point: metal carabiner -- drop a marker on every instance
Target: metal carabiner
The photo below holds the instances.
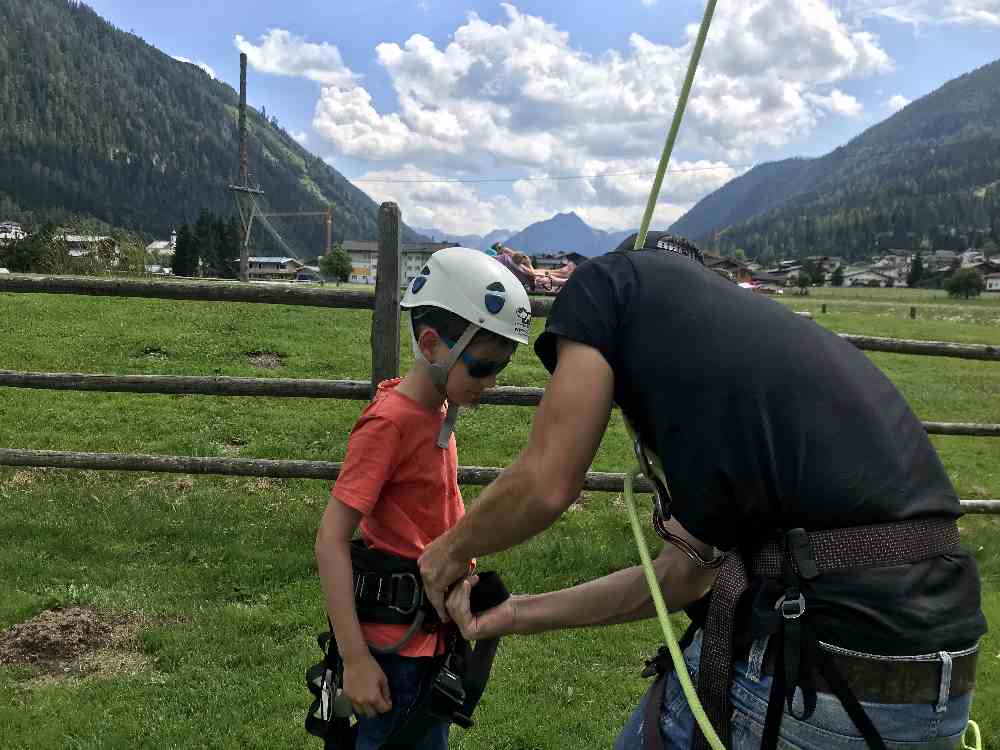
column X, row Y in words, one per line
column 662, row 502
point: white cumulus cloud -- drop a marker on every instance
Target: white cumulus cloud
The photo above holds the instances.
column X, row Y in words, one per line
column 897, row 102
column 928, row 12
column 519, row 95
column 282, row 53
column 204, row 66
column 453, row 207
column 837, row 102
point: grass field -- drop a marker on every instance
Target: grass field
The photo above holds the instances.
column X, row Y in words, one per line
column 218, row 575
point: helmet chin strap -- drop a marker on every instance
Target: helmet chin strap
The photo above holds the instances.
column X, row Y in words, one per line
column 439, row 376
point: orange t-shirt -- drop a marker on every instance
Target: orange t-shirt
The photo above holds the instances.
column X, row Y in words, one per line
column 405, row 487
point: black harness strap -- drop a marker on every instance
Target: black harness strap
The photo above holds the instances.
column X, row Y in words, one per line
column 850, row 702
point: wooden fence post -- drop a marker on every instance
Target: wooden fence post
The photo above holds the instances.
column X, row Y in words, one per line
column 385, row 320
column 913, row 313
column 824, row 308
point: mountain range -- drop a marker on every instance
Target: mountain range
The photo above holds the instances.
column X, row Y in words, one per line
column 475, row 241
column 927, row 173
column 98, row 124
column 562, row 233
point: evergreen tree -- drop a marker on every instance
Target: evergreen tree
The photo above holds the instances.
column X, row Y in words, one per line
column 916, row 271
column 185, row 261
column 837, row 277
column 232, row 250
column 205, row 240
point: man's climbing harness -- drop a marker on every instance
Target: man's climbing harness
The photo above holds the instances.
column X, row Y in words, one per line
column 388, row 590
column 791, row 561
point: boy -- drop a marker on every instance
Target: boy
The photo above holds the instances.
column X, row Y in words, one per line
column 399, row 480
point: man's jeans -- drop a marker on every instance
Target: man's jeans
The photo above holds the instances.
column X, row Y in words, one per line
column 410, row 682
column 903, row 727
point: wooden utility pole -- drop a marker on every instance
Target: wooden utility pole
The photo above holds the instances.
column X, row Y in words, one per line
column 243, row 121
column 243, row 193
column 329, row 229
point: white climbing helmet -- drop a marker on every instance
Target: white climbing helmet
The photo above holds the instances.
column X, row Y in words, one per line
column 475, row 287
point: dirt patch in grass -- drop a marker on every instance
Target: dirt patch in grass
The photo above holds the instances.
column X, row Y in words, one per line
column 266, row 360
column 76, row 642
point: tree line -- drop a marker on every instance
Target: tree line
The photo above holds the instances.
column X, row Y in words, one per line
column 209, row 248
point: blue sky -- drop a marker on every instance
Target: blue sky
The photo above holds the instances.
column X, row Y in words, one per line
column 398, row 93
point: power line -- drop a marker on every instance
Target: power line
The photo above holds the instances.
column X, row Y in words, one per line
column 546, row 179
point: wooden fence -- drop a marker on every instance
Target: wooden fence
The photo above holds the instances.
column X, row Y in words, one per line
column 385, row 341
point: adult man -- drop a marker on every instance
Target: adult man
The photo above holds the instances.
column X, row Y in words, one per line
column 769, row 429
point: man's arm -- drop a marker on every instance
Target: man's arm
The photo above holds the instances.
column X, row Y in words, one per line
column 543, row 481
column 620, row 597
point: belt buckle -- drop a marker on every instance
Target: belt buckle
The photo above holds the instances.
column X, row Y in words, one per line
column 417, row 594
column 791, row 609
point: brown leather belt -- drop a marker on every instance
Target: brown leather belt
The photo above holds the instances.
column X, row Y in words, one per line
column 895, row 682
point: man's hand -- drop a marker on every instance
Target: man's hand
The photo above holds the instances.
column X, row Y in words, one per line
column 492, row 623
column 440, row 570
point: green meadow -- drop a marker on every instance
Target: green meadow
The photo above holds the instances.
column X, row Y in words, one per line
column 218, row 572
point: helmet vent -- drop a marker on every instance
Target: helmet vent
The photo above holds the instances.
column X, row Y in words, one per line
column 496, row 297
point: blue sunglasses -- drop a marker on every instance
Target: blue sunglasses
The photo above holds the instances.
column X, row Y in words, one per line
column 478, row 368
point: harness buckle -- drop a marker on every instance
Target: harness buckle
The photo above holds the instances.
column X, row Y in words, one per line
column 791, row 609
column 416, row 598
column 800, row 548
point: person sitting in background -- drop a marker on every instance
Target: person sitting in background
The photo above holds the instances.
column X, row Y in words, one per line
column 540, row 280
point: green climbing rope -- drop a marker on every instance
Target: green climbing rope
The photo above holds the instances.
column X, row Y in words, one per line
column 680, row 668
column 675, row 125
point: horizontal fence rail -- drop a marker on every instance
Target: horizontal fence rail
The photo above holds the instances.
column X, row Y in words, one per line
column 358, row 390
column 194, row 291
column 298, row 469
column 276, row 294
column 930, row 348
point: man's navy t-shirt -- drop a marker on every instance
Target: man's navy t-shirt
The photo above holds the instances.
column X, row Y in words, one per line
column 764, row 421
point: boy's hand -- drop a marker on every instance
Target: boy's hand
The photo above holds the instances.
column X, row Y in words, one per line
column 440, row 570
column 366, row 687
column 491, row 623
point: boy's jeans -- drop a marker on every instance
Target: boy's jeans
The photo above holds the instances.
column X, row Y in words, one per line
column 409, row 682
column 909, row 727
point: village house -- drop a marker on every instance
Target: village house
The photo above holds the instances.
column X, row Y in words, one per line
column 869, row 278
column 11, row 232
column 993, row 283
column 81, row 248
column 364, row 259
column 729, row 267
column 971, row 258
column 939, row 259
column 162, row 251
column 268, row 268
